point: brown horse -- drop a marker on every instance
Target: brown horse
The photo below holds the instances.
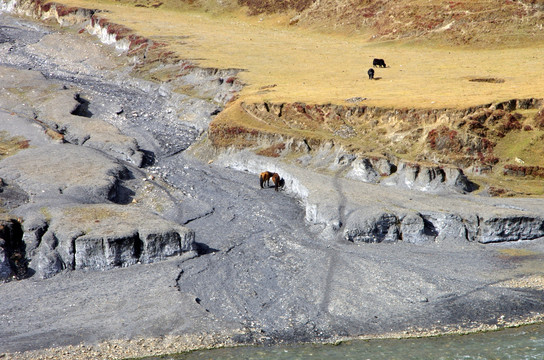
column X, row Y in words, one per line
column 266, row 176
column 278, row 181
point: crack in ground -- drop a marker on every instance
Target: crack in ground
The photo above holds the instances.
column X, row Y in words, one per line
column 205, row 215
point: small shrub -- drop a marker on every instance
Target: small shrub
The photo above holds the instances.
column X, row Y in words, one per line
column 487, row 145
column 539, row 119
column 443, row 138
column 65, row 10
column 510, row 123
column 495, row 191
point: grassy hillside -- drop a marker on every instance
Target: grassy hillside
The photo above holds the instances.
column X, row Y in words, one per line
column 482, row 22
column 294, row 63
column 456, row 55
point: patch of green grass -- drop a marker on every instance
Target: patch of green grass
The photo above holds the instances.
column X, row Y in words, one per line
column 525, row 146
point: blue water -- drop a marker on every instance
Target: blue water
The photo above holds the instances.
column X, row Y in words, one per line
column 521, row 343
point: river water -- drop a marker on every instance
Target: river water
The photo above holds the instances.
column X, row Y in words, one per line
column 525, row 342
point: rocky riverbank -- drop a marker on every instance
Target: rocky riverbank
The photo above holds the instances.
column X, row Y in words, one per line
column 194, row 253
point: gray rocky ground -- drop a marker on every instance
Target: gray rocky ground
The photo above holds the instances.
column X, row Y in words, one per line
column 129, row 236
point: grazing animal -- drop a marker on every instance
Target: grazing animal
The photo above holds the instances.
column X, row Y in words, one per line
column 378, row 63
column 265, row 178
column 278, row 181
column 371, row 73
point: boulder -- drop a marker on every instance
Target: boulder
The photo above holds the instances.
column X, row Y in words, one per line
column 415, row 229
column 372, row 227
column 104, row 236
column 511, row 228
column 363, row 170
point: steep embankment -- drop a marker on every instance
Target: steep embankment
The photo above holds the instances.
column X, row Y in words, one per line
column 490, row 143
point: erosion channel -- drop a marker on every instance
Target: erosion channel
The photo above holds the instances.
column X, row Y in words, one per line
column 128, row 237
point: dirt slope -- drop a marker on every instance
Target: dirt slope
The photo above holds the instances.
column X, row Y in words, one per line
column 481, row 23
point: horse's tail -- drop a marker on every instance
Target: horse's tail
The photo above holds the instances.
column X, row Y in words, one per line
column 261, row 180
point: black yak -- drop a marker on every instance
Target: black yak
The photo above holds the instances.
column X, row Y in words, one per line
column 378, row 63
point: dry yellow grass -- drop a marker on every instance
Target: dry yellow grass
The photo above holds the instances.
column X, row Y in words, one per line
column 320, row 65
column 316, row 67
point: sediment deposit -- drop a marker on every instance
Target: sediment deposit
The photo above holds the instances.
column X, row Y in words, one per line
column 139, row 238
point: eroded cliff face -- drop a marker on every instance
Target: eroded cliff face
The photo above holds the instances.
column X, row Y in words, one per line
column 458, row 137
column 426, row 151
column 417, row 205
column 416, row 147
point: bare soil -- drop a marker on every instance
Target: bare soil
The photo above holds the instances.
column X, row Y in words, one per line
column 264, row 274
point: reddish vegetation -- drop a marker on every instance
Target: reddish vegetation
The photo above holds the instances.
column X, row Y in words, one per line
column 539, row 119
column 510, row 122
column 237, row 130
column 444, row 138
column 495, row 191
column 63, row 10
column 487, row 160
column 23, row 144
column 518, row 170
column 43, row 6
column 137, row 44
column 222, row 134
column 462, row 21
column 272, row 151
column 118, row 30
column 271, row 6
column 136, row 40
